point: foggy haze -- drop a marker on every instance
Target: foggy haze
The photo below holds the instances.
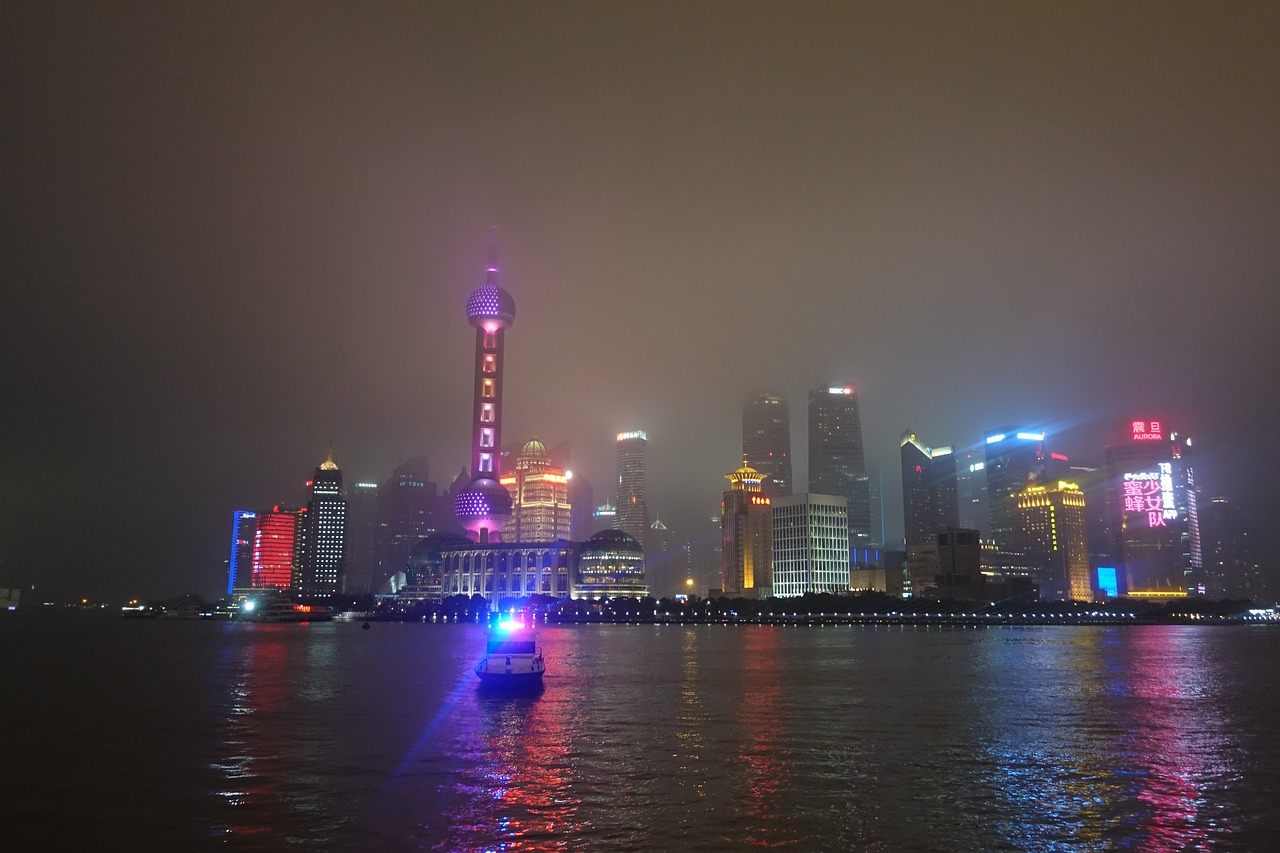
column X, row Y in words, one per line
column 234, row 232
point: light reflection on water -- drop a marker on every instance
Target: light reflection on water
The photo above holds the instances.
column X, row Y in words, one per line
column 656, row 738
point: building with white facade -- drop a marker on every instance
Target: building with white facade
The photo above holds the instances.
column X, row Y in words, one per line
column 810, row 544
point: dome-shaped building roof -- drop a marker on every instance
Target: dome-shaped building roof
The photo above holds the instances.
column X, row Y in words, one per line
column 612, row 541
column 533, row 455
column 611, row 563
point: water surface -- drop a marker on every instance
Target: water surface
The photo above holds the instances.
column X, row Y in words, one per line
column 197, row 735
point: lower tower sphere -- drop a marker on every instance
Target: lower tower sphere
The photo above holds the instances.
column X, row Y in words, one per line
column 484, row 508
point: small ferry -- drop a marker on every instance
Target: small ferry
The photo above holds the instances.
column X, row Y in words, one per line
column 283, row 610
column 512, row 658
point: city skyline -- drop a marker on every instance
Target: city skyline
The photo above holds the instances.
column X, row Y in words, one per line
column 687, row 227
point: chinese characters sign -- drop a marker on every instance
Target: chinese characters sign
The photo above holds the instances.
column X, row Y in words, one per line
column 1149, row 495
column 1147, row 431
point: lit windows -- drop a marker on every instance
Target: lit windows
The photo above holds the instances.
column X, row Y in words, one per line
column 490, row 339
column 488, row 388
column 486, row 413
column 486, row 463
column 486, row 437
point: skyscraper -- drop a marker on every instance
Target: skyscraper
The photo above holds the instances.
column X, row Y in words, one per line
column 240, row 566
column 810, row 544
column 633, row 489
column 1012, row 458
column 1050, row 529
column 484, row 506
column 837, row 457
column 1231, row 570
column 1153, row 509
column 362, row 539
column 410, row 508
column 322, row 560
column 539, row 496
column 581, row 496
column 928, row 489
column 274, row 541
column 746, row 535
column 766, row 442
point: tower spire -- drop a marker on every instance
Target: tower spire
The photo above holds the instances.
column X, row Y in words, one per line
column 328, row 464
column 491, row 271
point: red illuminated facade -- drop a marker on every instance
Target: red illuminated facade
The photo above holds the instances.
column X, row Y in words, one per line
column 274, row 546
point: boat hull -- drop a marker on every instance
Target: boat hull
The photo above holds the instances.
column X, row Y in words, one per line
column 514, row 681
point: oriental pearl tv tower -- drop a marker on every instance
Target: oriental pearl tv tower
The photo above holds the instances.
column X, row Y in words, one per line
column 484, row 506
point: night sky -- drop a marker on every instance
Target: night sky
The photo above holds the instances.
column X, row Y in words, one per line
column 233, row 232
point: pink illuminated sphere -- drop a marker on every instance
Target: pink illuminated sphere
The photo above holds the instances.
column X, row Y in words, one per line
column 484, row 504
column 490, row 307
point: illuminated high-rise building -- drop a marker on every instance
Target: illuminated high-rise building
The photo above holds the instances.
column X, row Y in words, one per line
column 746, row 536
column 240, row 566
column 322, row 559
column 1050, row 529
column 928, row 489
column 274, row 543
column 633, row 503
column 1012, row 458
column 810, row 544
column 1153, row 512
column 837, row 456
column 539, row 496
column 484, row 506
column 766, row 442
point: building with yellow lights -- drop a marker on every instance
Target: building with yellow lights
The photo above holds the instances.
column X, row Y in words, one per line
column 540, row 508
column 746, row 536
column 1051, row 531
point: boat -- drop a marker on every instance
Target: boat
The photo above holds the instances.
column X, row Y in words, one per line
column 283, row 610
column 512, row 659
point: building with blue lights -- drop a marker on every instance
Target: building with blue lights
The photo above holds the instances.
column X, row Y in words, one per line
column 240, row 566
column 1012, row 458
column 928, row 489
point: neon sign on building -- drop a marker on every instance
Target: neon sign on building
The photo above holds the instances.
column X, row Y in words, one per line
column 1149, row 495
column 1147, row 431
